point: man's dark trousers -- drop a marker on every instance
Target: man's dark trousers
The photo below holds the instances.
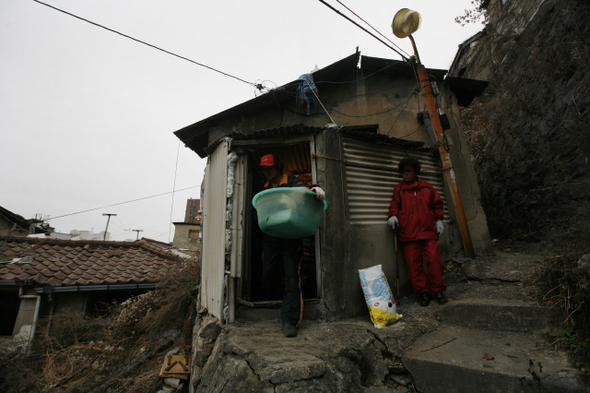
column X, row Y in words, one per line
column 283, row 255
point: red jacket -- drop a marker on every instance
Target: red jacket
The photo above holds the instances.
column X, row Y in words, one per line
column 417, row 208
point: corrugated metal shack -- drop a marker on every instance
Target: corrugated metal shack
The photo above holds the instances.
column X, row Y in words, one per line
column 366, row 118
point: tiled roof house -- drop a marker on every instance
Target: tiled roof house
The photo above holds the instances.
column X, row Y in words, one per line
column 12, row 224
column 41, row 276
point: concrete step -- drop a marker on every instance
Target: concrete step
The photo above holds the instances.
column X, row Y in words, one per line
column 313, row 310
column 495, row 314
column 452, row 359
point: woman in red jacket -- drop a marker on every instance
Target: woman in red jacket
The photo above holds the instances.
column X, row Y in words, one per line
column 417, row 209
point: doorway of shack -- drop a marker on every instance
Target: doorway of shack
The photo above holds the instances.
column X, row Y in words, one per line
column 296, row 160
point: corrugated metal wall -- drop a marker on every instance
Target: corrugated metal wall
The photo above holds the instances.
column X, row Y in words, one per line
column 213, row 253
column 371, row 175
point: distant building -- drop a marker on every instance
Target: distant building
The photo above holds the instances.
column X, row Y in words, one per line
column 187, row 233
column 75, row 234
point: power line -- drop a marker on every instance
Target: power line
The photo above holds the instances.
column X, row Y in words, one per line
column 365, row 30
column 173, row 187
column 148, row 44
column 120, row 203
column 374, row 29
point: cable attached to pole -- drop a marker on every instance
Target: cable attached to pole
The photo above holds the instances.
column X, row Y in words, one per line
column 258, row 86
column 117, row 204
column 365, row 30
column 374, row 29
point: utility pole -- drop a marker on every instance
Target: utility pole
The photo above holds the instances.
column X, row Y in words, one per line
column 404, row 24
column 107, row 228
column 137, row 230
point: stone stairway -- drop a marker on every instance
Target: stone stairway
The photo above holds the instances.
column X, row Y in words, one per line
column 490, row 339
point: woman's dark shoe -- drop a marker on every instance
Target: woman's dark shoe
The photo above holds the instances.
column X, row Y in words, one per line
column 424, row 299
column 440, row 298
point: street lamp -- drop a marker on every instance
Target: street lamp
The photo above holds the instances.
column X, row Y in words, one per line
column 406, row 22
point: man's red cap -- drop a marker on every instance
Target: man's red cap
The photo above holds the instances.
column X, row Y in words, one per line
column 267, row 160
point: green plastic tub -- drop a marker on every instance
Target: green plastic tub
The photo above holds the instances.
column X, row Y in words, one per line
column 289, row 213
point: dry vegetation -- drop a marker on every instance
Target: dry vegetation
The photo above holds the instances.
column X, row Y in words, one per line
column 528, row 136
column 121, row 352
column 564, row 286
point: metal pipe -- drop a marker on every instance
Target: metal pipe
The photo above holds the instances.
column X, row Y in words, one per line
column 231, row 301
column 447, row 168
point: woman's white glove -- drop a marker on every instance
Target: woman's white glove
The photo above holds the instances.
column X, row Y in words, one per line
column 440, row 228
column 319, row 193
column 393, row 222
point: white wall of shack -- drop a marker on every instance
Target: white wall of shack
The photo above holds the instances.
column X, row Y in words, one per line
column 214, row 218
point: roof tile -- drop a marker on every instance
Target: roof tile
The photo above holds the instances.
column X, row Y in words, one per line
column 65, row 262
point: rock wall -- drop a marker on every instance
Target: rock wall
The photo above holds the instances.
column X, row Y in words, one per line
column 325, row 357
column 528, row 134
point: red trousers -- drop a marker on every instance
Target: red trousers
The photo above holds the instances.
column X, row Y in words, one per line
column 420, row 282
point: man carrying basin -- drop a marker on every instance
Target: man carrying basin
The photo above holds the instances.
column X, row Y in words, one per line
column 281, row 253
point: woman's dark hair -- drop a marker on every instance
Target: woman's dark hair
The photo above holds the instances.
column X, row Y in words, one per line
column 411, row 162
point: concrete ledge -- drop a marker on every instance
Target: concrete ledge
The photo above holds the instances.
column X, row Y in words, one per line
column 451, row 359
column 495, row 314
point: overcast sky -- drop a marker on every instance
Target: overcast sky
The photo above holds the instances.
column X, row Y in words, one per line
column 87, row 116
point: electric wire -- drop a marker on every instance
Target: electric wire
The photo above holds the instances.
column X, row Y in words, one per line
column 374, row 29
column 358, row 79
column 407, row 102
column 173, row 187
column 411, row 133
column 362, row 28
column 148, row 44
column 122, row 223
column 118, row 204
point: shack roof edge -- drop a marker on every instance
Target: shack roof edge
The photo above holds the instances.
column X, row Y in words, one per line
column 195, row 135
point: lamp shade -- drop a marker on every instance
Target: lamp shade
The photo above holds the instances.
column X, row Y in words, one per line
column 406, row 22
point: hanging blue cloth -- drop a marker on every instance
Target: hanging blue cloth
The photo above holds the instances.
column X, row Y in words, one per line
column 305, row 92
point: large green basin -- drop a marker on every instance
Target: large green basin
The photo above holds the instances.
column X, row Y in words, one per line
column 289, row 213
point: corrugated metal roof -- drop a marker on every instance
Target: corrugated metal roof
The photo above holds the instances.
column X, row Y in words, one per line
column 383, row 139
column 275, row 133
column 279, row 134
column 196, row 136
column 371, row 65
column 295, row 158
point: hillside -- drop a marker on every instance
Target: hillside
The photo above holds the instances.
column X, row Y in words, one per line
column 530, row 143
column 529, row 134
